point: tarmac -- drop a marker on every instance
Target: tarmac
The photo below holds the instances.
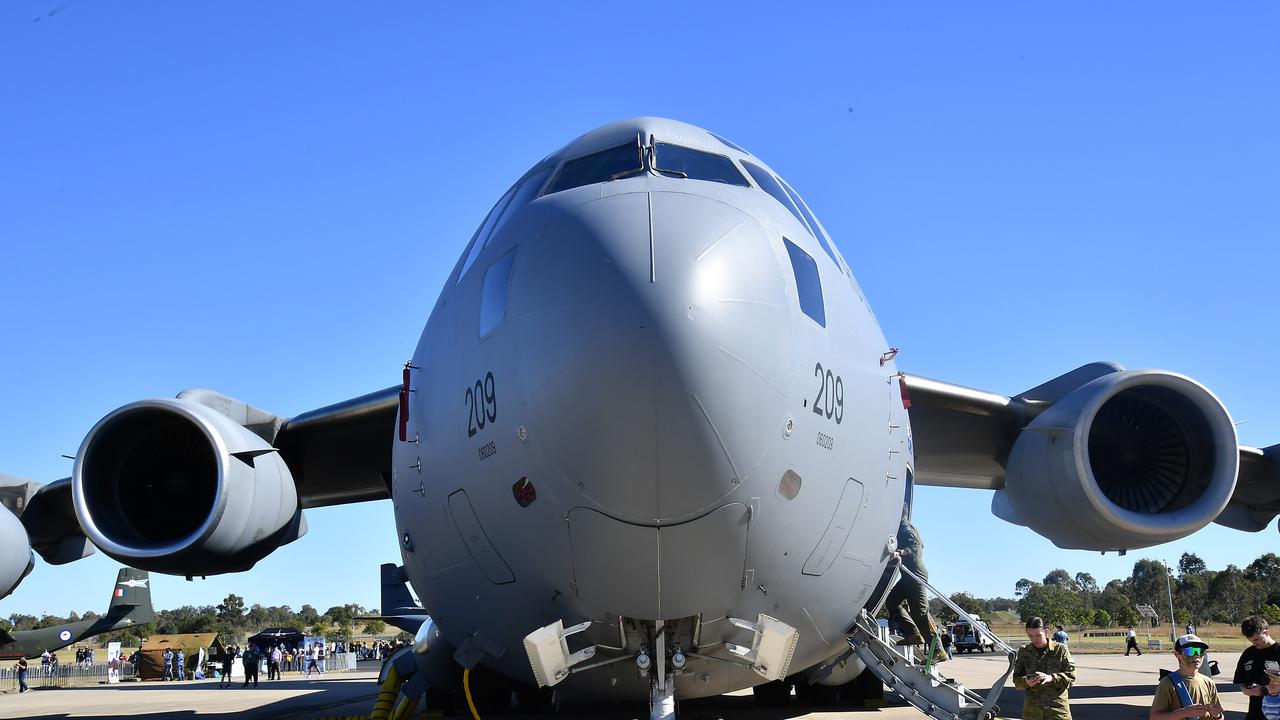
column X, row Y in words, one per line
column 1108, row 687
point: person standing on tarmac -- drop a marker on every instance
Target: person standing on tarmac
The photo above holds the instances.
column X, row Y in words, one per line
column 1044, row 669
column 913, row 620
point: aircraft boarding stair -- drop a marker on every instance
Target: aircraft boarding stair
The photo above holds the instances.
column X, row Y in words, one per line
column 921, row 685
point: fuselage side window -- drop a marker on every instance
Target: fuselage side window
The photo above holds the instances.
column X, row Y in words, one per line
column 693, row 164
column 808, row 284
column 813, row 223
column 771, row 186
column 493, row 295
column 598, row 167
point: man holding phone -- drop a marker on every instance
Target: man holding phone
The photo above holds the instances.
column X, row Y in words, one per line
column 1044, row 669
column 1258, row 672
column 1186, row 693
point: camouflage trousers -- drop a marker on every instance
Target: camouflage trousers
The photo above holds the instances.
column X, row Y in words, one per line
column 915, row 615
column 1056, row 711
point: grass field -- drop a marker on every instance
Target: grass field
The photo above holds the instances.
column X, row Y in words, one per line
column 1220, row 636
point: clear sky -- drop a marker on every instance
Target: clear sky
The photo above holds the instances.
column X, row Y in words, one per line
column 265, row 198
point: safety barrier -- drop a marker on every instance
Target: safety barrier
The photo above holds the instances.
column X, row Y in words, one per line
column 63, row 676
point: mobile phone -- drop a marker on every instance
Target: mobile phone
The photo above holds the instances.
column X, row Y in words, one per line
column 1272, row 667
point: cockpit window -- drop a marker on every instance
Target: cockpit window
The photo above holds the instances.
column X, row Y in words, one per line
column 813, row 223
column 518, row 195
column 686, row 162
column 608, row 164
column 771, row 186
column 808, row 284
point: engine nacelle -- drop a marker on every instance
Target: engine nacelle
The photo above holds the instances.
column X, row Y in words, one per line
column 16, row 559
column 1129, row 460
column 176, row 487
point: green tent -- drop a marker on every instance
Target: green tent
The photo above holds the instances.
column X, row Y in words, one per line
column 151, row 654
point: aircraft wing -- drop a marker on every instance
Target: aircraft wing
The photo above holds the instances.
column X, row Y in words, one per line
column 1160, row 455
column 342, row 453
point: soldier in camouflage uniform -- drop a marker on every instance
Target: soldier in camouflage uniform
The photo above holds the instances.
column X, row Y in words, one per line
column 908, row 604
column 1045, row 670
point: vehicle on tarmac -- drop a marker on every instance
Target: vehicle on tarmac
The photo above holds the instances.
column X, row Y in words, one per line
column 966, row 638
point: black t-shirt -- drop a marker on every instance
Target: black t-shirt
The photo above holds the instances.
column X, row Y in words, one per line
column 1250, row 671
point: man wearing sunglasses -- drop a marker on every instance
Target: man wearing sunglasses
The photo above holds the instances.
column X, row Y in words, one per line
column 1253, row 672
column 1186, row 693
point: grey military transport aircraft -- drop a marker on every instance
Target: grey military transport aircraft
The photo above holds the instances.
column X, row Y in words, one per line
column 652, row 444
column 130, row 606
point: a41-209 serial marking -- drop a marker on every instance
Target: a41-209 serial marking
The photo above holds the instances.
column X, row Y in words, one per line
column 829, row 402
column 482, row 404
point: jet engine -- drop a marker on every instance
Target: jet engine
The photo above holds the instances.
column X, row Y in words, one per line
column 174, row 486
column 1128, row 460
column 16, row 559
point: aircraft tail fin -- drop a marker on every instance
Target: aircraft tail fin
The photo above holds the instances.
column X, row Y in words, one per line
column 396, row 599
column 131, row 597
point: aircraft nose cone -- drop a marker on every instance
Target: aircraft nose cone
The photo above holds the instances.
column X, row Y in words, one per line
column 656, row 338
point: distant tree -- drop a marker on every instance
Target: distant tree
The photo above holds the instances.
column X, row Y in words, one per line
column 256, row 618
column 1190, row 564
column 74, row 617
column 50, row 621
column 1086, row 583
column 1271, row 613
column 1193, row 593
column 374, row 627
column 1149, row 582
column 999, row 603
column 1181, row 616
column 967, row 602
column 1052, row 603
column 1112, row 601
column 321, row 628
column 341, row 614
column 308, row 615
column 1232, row 596
column 1101, row 618
column 5, row 624
column 1264, row 570
column 231, row 611
column 1127, row 616
column 1021, row 587
column 21, row 621
column 1061, row 578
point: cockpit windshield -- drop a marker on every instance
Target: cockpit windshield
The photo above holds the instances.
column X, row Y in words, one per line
column 608, row 164
column 663, row 158
column 686, row 162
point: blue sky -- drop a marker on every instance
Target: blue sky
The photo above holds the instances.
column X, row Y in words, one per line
column 264, row 199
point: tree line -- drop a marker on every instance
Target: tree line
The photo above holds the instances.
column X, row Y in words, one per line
column 229, row 618
column 1200, row 595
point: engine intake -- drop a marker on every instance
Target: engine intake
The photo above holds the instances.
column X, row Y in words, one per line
column 1129, row 460
column 174, row 486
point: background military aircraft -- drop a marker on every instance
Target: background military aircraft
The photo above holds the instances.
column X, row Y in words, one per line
column 652, row 410
column 130, row 605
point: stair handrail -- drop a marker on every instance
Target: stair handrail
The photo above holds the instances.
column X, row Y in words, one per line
column 982, row 629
